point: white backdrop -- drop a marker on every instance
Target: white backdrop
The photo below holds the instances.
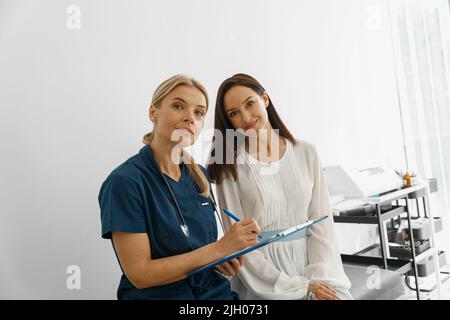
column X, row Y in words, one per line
column 74, row 106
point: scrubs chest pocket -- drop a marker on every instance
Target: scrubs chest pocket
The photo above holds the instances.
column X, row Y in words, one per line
column 208, row 217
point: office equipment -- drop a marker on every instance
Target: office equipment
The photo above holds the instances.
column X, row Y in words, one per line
column 357, row 207
column 362, row 183
column 292, row 233
column 336, row 198
column 364, row 210
column 401, row 256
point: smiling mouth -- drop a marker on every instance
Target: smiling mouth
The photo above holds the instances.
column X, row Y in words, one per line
column 252, row 125
column 187, row 130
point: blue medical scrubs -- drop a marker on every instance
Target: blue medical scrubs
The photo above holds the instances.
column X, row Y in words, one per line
column 135, row 199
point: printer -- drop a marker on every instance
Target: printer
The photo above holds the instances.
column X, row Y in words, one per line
column 362, row 183
column 350, row 189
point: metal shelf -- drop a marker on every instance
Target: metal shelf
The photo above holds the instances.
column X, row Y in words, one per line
column 398, row 265
column 371, row 255
column 396, row 211
column 374, row 251
column 395, row 195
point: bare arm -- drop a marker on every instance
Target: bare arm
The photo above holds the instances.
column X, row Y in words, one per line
column 133, row 250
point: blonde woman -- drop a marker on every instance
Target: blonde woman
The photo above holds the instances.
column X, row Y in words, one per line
column 280, row 183
column 157, row 209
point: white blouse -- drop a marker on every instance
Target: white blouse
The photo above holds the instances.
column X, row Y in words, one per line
column 279, row 195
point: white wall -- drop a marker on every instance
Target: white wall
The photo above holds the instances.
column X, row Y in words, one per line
column 74, row 106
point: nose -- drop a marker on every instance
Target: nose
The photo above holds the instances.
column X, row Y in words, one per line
column 189, row 117
column 247, row 116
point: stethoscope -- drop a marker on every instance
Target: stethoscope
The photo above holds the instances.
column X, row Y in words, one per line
column 183, row 224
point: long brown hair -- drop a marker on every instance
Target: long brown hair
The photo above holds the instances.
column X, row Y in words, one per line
column 160, row 93
column 220, row 168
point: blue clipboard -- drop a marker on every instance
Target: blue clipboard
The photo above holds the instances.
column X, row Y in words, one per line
column 295, row 232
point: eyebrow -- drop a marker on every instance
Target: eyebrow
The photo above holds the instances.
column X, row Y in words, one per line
column 247, row 99
column 232, row 108
column 178, row 98
column 182, row 100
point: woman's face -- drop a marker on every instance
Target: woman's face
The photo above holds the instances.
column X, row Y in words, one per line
column 180, row 115
column 246, row 110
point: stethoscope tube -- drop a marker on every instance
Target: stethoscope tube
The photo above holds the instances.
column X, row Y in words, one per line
column 183, row 225
column 215, row 210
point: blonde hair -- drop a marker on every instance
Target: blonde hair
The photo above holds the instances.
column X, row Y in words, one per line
column 160, row 93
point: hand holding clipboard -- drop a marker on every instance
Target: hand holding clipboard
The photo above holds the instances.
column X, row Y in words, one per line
column 296, row 232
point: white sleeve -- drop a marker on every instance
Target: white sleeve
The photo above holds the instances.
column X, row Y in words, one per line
column 259, row 276
column 324, row 260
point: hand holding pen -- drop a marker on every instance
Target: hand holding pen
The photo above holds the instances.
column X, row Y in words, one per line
column 241, row 235
column 232, row 216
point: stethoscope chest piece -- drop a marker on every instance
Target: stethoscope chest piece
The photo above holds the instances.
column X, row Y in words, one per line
column 183, row 224
column 185, row 229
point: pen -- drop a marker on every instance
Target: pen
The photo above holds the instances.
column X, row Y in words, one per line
column 235, row 218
